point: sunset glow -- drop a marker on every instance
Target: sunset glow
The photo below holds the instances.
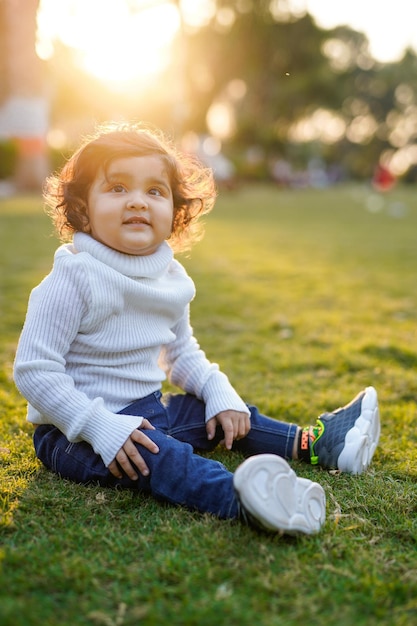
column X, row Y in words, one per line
column 115, row 41
column 118, row 41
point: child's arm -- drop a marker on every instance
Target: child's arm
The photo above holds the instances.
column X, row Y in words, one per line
column 187, row 367
column 55, row 313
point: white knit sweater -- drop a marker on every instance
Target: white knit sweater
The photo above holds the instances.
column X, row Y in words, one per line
column 104, row 329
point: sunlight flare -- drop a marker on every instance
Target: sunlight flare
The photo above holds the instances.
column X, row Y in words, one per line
column 115, row 41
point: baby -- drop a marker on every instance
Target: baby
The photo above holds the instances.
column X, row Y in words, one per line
column 111, row 322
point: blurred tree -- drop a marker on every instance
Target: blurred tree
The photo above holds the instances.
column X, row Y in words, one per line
column 283, row 78
column 259, row 78
column 302, row 85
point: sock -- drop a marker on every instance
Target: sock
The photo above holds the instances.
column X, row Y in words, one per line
column 306, row 437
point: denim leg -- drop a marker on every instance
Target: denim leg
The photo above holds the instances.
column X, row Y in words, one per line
column 187, row 415
column 267, row 435
column 180, row 476
column 75, row 461
column 177, row 475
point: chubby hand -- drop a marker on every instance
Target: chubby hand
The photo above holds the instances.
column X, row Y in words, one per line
column 128, row 458
column 235, row 425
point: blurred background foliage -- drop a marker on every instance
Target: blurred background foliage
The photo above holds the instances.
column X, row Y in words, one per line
column 259, row 91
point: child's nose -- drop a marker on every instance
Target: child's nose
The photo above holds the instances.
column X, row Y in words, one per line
column 137, row 200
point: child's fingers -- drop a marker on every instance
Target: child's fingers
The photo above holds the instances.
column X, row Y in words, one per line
column 129, row 458
column 139, row 437
column 243, row 427
column 229, row 433
column 115, row 470
column 124, row 457
column 211, row 428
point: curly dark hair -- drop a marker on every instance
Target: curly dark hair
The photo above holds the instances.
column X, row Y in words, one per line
column 192, row 184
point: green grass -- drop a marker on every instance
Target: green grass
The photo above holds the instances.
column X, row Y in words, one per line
column 304, row 297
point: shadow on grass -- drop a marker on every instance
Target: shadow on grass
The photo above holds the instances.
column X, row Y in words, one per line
column 392, row 354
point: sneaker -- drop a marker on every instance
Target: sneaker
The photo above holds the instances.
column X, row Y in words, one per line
column 273, row 498
column 346, row 439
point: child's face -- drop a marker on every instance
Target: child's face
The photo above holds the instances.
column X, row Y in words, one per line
column 131, row 208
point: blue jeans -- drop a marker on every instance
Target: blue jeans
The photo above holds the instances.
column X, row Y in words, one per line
column 177, row 474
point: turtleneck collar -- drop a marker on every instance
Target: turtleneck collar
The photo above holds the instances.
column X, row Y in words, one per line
column 147, row 266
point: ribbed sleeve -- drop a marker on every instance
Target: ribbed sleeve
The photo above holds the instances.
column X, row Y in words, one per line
column 189, row 369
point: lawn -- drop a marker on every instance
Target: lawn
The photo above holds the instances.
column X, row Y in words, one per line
column 303, row 297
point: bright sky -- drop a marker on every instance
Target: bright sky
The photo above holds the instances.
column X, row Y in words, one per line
column 390, row 25
column 117, row 45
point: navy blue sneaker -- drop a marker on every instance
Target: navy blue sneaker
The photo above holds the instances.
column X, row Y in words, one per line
column 346, row 439
column 273, row 498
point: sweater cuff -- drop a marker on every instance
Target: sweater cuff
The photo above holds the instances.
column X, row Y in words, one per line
column 109, row 432
column 219, row 395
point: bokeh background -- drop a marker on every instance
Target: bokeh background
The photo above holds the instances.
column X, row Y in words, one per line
column 301, row 92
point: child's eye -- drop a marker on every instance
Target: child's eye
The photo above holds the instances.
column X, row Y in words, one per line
column 118, row 188
column 155, row 191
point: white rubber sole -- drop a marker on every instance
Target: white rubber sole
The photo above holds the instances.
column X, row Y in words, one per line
column 362, row 439
column 279, row 500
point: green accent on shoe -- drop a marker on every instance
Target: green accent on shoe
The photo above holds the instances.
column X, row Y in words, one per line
column 315, row 433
